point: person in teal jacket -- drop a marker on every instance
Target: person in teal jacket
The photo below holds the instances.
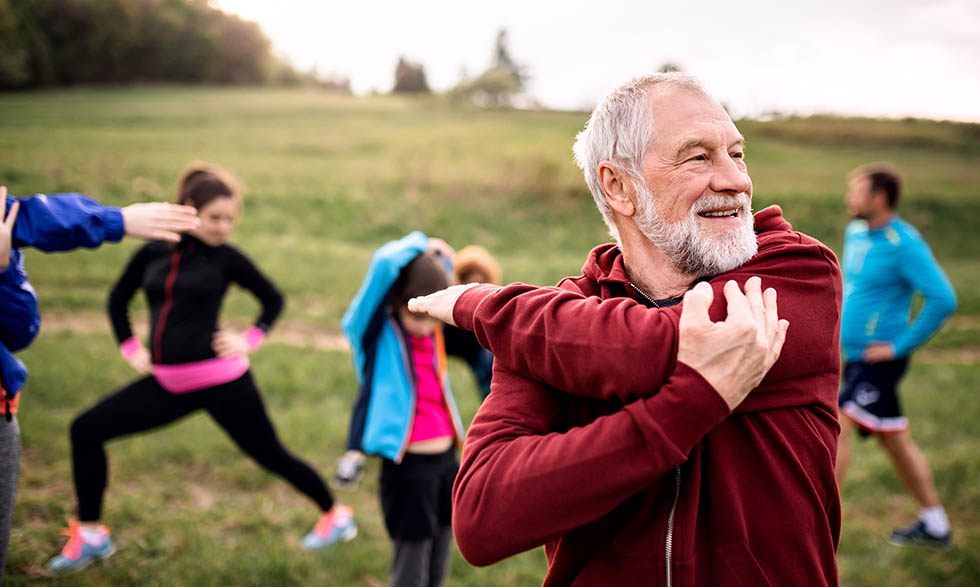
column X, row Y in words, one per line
column 405, row 412
column 886, row 265
column 382, row 413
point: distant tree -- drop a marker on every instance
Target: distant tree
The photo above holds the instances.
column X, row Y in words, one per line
column 498, row 85
column 503, row 61
column 409, row 78
column 669, row 67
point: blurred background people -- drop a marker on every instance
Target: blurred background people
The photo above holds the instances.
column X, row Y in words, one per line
column 58, row 222
column 886, row 264
column 405, row 411
column 189, row 364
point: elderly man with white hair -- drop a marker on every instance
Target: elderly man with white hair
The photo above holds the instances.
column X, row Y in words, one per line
column 648, row 422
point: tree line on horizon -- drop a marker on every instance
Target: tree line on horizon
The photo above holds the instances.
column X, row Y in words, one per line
column 54, row 43
column 49, row 43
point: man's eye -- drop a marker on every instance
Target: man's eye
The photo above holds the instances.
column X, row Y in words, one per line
column 701, row 157
column 738, row 155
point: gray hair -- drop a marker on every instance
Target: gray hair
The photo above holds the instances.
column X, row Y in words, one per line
column 620, row 130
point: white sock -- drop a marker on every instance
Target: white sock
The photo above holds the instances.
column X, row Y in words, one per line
column 935, row 520
column 93, row 537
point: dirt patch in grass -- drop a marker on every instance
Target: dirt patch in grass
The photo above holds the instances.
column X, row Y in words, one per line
column 292, row 333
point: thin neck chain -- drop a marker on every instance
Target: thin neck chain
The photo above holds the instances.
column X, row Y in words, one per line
column 645, row 296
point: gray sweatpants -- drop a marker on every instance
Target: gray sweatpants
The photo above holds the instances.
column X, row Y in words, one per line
column 421, row 563
column 9, row 468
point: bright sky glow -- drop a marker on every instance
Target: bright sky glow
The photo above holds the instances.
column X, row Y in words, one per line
column 874, row 57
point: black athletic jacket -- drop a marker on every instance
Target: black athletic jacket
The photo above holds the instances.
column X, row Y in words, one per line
column 184, row 286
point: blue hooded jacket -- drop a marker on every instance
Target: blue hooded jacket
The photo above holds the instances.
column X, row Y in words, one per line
column 385, row 406
column 59, row 222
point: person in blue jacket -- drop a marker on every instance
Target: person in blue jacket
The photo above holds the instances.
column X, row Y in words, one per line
column 60, row 222
column 405, row 411
column 886, row 264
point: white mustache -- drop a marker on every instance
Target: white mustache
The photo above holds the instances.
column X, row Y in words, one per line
column 742, row 201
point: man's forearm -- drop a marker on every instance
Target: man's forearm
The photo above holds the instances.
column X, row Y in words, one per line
column 521, row 485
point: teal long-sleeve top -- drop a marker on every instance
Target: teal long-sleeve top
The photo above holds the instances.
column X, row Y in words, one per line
column 884, row 267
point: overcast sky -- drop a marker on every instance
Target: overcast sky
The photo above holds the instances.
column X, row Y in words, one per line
column 868, row 57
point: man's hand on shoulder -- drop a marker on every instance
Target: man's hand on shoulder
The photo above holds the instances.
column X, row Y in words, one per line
column 735, row 354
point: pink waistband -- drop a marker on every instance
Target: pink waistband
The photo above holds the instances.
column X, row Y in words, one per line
column 187, row 377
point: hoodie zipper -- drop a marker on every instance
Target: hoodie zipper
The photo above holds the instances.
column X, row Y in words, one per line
column 645, row 296
column 669, row 541
column 168, row 300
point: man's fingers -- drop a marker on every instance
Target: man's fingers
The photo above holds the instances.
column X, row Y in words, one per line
column 777, row 345
column 419, row 305
column 696, row 303
column 738, row 306
column 11, row 214
column 753, row 296
column 771, row 311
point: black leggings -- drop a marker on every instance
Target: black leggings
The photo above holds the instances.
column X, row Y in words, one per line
column 143, row 405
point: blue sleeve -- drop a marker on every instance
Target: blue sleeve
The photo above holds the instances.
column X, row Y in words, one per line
column 19, row 316
column 921, row 270
column 385, row 266
column 62, row 222
column 19, row 321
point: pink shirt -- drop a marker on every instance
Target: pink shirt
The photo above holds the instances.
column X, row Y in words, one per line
column 431, row 416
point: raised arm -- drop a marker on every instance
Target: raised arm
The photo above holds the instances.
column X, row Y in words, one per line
column 618, row 348
column 63, row 222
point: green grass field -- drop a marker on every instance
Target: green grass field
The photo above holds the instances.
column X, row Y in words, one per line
column 330, row 178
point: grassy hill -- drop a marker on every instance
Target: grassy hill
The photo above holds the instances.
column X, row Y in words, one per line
column 328, row 179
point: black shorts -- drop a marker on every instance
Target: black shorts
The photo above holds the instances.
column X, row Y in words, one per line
column 417, row 495
column 869, row 396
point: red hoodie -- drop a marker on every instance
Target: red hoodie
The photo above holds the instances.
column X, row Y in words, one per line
column 626, row 464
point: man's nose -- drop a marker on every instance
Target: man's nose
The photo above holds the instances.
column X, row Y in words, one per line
column 730, row 177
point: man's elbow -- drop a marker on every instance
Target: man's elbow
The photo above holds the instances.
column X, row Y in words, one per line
column 475, row 542
column 476, row 529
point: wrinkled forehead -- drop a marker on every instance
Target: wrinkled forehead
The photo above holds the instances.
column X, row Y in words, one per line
column 680, row 116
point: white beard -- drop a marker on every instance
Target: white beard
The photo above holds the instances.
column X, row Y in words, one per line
column 687, row 246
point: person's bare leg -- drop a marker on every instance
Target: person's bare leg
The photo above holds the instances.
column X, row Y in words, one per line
column 844, row 453
column 911, row 466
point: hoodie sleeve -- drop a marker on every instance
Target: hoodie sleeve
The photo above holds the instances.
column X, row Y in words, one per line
column 62, row 222
column 618, row 348
column 522, row 484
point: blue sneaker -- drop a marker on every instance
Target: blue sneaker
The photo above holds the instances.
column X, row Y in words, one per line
column 918, row 534
column 78, row 554
column 333, row 526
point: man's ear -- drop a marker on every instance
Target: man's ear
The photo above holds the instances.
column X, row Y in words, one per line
column 618, row 188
